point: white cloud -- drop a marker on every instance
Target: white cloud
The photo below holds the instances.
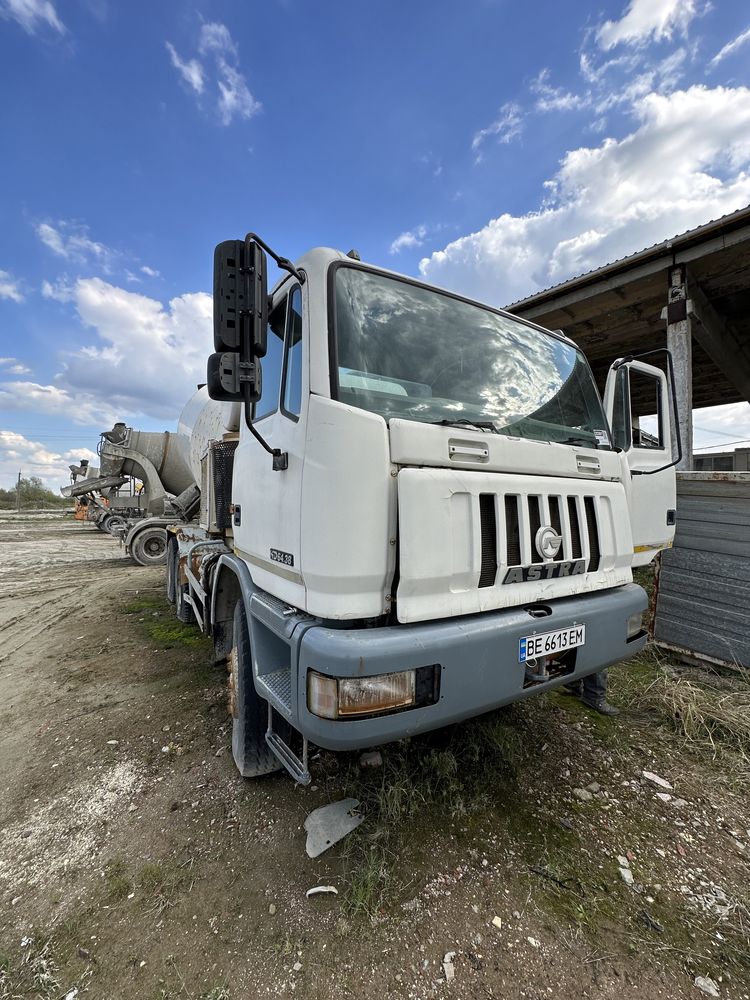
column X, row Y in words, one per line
column 9, row 287
column 32, row 15
column 232, row 95
column 71, row 241
column 730, row 48
column 216, row 38
column 32, row 458
column 148, row 358
column 150, row 272
column 60, row 290
column 613, row 199
column 411, row 238
column 56, row 401
column 13, row 366
column 191, row 71
column 551, row 98
column 142, row 358
column 647, row 20
column 505, row 127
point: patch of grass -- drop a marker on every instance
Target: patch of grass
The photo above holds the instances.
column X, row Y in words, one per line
column 116, row 880
column 169, row 634
column 367, row 883
column 163, row 882
column 704, row 713
column 160, row 624
column 145, row 602
column 217, row 993
column 456, row 773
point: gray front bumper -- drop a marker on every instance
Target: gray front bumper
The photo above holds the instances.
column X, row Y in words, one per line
column 478, row 656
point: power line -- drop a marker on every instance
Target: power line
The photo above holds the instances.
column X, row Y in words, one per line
column 707, row 430
column 706, row 447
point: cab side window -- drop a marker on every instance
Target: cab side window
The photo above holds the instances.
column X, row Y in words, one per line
column 271, row 364
column 293, row 360
column 647, row 423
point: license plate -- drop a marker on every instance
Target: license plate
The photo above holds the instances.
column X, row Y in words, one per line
column 533, row 646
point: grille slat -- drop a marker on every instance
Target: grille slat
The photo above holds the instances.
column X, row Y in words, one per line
column 512, row 531
column 488, row 527
column 535, row 523
column 556, row 521
column 575, row 529
column 593, row 534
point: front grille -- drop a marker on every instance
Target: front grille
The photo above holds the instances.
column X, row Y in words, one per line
column 573, row 518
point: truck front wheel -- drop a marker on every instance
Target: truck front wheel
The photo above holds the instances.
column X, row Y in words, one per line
column 249, row 712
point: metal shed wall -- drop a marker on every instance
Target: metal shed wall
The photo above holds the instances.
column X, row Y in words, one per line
column 703, row 597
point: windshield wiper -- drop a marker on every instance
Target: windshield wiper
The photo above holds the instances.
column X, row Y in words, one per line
column 582, row 441
column 482, row 425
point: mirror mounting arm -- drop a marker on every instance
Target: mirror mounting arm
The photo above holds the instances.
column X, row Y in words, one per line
column 283, row 262
column 280, row 458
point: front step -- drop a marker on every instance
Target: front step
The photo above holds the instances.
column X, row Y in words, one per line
column 286, row 756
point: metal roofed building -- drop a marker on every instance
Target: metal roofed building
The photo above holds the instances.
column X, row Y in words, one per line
column 690, row 293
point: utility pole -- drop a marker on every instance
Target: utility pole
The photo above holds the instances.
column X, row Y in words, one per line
column 18, row 493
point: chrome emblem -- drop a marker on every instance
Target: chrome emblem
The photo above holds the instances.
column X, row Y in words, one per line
column 547, row 542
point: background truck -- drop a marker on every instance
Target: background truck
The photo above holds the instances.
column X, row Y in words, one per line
column 158, row 461
column 414, row 507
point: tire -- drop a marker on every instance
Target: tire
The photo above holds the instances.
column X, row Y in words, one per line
column 149, row 548
column 182, row 609
column 251, row 753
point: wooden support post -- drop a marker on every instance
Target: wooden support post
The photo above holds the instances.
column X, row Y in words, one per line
column 679, row 342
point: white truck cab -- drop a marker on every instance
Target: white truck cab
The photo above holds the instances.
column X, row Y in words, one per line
column 431, row 511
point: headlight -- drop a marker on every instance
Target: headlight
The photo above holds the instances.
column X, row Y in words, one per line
column 635, row 625
column 347, row 697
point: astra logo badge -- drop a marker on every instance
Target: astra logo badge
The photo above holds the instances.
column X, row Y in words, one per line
column 547, row 542
column 548, row 571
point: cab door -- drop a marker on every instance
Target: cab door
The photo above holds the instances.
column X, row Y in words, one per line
column 268, row 533
column 639, row 406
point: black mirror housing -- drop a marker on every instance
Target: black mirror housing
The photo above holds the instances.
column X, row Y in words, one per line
column 240, row 298
column 230, row 380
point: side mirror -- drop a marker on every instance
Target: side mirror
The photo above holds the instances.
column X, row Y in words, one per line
column 226, row 375
column 240, row 298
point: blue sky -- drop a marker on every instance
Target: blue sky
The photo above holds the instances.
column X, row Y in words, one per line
column 493, row 147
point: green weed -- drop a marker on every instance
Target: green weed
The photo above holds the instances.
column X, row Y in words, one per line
column 116, row 880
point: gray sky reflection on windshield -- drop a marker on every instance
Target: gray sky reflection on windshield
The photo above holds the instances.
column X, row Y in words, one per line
column 468, row 357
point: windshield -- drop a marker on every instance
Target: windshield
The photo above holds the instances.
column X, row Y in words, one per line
column 412, row 352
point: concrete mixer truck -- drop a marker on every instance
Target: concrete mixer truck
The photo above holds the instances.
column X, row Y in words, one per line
column 415, row 508
column 158, row 461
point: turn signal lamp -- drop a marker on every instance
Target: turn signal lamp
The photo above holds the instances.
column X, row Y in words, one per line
column 635, row 625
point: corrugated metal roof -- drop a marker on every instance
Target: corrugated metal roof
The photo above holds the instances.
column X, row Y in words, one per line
column 730, row 220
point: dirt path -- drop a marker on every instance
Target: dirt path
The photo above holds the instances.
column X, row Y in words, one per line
column 134, row 862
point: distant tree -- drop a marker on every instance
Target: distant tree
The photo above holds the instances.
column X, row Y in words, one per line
column 34, row 494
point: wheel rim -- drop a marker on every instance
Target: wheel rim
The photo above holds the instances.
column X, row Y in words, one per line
column 154, row 547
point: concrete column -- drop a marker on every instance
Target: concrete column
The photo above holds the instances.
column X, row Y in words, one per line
column 679, row 342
